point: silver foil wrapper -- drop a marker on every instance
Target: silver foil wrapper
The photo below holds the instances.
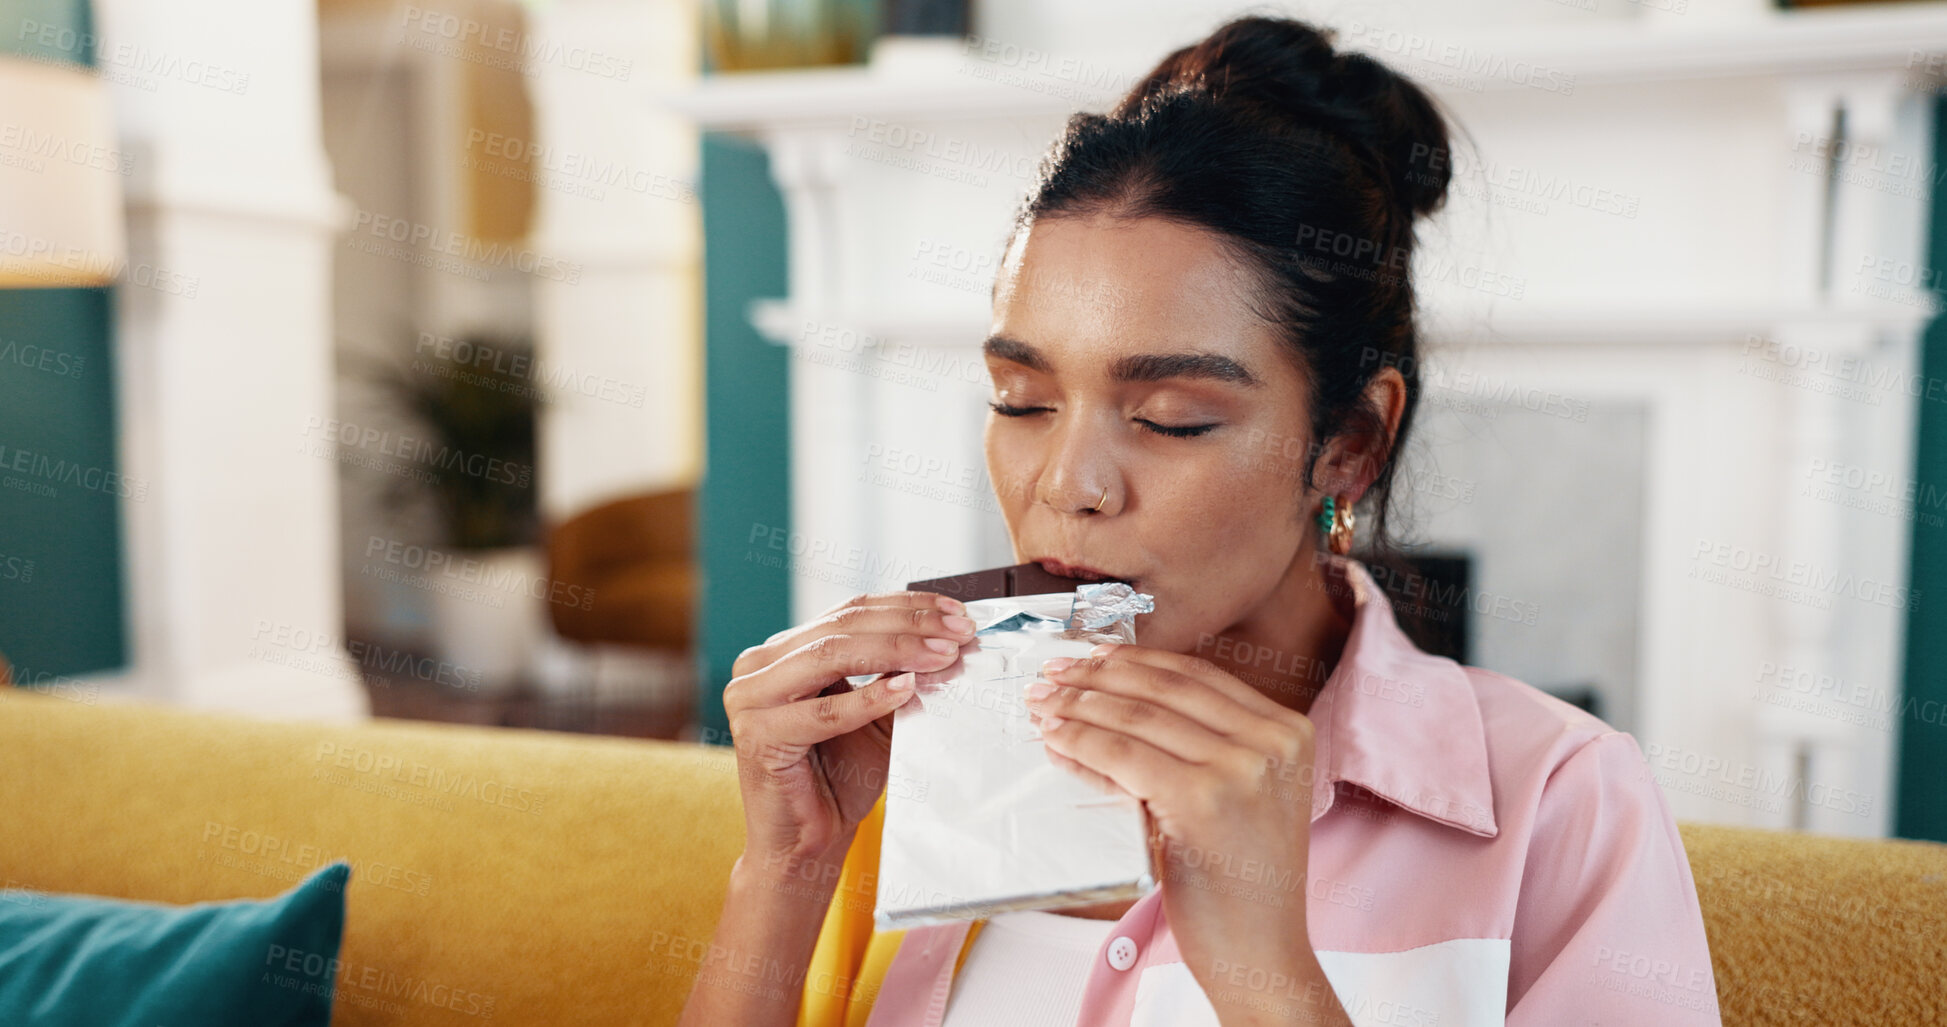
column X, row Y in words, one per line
column 978, row 820
column 1102, row 606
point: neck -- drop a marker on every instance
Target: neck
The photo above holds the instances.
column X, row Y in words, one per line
column 1287, row 647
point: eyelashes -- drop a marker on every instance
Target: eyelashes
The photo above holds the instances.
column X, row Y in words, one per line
column 1179, row 431
column 1175, row 431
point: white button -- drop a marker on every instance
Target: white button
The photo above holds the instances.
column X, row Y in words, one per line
column 1122, row 952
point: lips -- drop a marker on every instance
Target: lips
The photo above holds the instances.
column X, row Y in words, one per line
column 1078, row 570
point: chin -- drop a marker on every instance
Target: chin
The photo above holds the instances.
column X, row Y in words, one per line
column 1159, row 631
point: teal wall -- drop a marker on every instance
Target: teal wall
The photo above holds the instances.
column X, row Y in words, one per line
column 48, row 30
column 60, row 493
column 746, row 465
column 61, row 599
column 1920, row 810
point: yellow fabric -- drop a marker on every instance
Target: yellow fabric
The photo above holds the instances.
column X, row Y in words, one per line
column 573, row 879
column 966, row 947
column 593, row 905
column 1811, row 929
column 849, row 963
column 836, row 984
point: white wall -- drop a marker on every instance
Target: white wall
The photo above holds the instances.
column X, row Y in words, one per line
column 628, row 326
column 232, row 555
column 1640, row 228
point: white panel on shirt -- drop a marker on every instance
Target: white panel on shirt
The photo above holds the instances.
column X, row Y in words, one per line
column 1458, row 983
column 1026, row 969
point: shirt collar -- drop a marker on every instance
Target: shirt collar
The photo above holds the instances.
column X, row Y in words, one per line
column 1398, row 721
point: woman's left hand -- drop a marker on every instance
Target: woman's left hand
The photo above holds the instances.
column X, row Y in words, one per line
column 1225, row 774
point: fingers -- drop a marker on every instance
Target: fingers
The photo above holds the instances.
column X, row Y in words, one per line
column 810, row 721
column 1277, row 740
column 1094, row 780
column 927, row 612
column 1199, row 669
column 1124, row 761
column 923, row 600
column 865, row 641
column 1183, row 737
column 1213, row 708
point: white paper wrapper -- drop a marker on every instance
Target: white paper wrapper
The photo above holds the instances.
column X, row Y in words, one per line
column 978, row 821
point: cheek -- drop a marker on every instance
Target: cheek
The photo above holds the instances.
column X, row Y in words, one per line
column 1010, row 469
column 1234, row 517
column 1238, row 495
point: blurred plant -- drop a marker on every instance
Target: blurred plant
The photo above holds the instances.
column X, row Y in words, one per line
column 477, row 449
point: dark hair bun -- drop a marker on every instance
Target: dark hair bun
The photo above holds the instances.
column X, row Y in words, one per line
column 1313, row 167
column 1288, row 74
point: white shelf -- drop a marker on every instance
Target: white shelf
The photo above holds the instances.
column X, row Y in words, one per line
column 949, row 86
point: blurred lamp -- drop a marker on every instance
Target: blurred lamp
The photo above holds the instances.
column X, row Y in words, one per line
column 60, row 178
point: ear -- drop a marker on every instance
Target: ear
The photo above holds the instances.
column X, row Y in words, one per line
column 1352, row 460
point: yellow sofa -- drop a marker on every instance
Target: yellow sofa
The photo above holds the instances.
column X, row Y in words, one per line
column 522, row 877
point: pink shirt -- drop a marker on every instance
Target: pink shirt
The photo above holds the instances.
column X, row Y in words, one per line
column 1481, row 852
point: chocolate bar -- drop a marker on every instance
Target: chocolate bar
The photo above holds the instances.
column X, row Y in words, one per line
column 978, row 820
column 1022, row 579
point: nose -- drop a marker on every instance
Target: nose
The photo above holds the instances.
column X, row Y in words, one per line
column 1081, row 506
column 1069, row 503
column 1079, row 477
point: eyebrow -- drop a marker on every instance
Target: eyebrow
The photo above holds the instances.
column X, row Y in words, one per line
column 1140, row 367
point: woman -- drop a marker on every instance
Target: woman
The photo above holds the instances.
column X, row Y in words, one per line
column 1204, row 356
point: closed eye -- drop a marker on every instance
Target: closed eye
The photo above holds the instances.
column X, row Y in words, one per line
column 1180, row 431
column 1176, row 431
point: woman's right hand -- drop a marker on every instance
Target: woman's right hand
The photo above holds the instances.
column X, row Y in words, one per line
column 811, row 750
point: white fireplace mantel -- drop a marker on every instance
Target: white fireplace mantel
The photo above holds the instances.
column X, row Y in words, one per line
column 957, row 81
column 900, row 179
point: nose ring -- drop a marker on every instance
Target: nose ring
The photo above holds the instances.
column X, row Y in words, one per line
column 1097, row 508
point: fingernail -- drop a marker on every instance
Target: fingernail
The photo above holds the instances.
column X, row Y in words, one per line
column 1056, row 665
column 902, row 682
column 952, row 606
column 1104, row 649
column 942, row 646
column 1039, row 690
column 958, row 625
column 1050, row 723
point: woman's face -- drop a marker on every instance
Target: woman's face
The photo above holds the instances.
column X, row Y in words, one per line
column 1129, row 370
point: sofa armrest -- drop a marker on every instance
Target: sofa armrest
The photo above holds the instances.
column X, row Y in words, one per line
column 1813, row 929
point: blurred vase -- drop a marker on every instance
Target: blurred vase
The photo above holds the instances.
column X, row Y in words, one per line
column 949, row 18
column 744, row 35
column 488, row 626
